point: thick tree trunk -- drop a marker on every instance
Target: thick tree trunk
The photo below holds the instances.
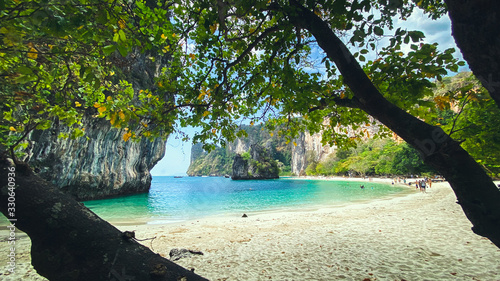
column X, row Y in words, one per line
column 475, row 27
column 69, row 242
column 476, row 192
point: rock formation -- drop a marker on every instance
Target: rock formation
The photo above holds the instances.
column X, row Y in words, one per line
column 258, row 166
column 101, row 164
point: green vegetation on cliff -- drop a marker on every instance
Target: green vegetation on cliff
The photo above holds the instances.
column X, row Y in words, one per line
column 375, row 157
column 218, row 162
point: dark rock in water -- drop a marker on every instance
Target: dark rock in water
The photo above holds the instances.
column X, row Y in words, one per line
column 177, row 254
column 259, row 166
column 244, row 216
column 240, row 168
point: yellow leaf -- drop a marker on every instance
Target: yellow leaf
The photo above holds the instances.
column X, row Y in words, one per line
column 121, row 23
column 113, row 119
column 77, row 104
column 205, row 113
column 163, row 37
column 144, row 124
column 294, row 144
column 192, row 56
column 13, row 129
column 127, row 136
column 97, row 105
column 271, row 134
column 121, row 115
column 109, row 98
column 214, row 131
column 101, row 109
column 33, row 53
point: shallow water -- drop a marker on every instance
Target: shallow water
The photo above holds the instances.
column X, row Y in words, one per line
column 177, row 199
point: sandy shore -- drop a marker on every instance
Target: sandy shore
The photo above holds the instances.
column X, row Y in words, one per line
column 421, row 236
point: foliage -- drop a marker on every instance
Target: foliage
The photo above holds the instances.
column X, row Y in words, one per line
column 231, row 62
column 464, row 110
column 255, row 63
column 375, row 157
column 60, row 60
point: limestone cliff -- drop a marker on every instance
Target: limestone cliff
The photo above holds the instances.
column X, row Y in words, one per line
column 101, row 164
column 308, row 146
column 258, row 166
column 98, row 167
column 292, row 159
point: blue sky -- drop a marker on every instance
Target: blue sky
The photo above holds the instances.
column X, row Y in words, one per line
column 178, row 153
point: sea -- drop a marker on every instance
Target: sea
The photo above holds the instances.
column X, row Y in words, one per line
column 173, row 199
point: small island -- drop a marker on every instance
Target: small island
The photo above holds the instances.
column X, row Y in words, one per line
column 255, row 164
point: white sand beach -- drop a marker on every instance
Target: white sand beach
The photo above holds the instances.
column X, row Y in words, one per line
column 420, row 236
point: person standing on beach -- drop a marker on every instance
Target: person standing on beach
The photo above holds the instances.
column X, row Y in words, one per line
column 422, row 186
column 429, row 182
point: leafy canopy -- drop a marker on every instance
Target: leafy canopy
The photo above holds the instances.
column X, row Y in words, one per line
column 228, row 62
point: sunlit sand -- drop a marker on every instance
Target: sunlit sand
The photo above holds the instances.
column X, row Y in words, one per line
column 421, row 236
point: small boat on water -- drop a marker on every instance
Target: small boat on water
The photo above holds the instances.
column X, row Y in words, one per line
column 177, row 177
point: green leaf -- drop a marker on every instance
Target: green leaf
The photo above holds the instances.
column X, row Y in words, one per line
column 24, row 70
column 378, row 31
column 122, row 35
column 108, row 50
column 123, row 50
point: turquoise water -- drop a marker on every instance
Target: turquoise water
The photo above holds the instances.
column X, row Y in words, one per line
column 176, row 199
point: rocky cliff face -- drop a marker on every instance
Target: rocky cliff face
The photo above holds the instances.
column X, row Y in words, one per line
column 98, row 167
column 101, row 164
column 311, row 144
column 259, row 166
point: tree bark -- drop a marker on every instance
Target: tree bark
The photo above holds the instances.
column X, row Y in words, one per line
column 475, row 190
column 475, row 27
column 69, row 242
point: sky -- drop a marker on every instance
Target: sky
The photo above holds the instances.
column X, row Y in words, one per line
column 177, row 156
